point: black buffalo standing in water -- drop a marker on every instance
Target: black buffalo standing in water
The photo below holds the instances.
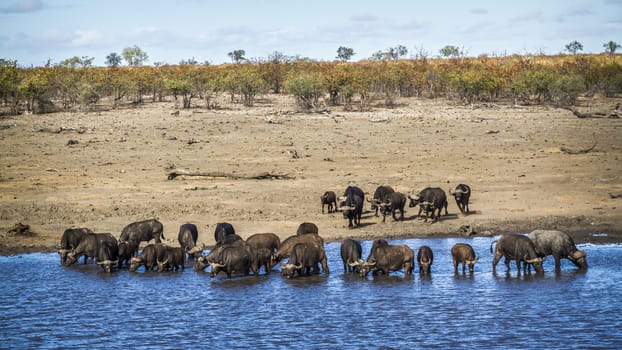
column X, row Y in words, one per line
column 351, row 252
column 145, row 230
column 70, row 240
column 222, row 233
column 187, row 238
column 560, row 245
column 519, row 248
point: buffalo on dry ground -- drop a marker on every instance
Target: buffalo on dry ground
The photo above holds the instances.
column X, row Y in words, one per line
column 329, row 198
column 379, row 197
column 70, row 240
column 352, row 207
column 461, row 194
column 560, row 245
column 462, row 253
column 430, row 200
column 393, row 203
column 516, row 247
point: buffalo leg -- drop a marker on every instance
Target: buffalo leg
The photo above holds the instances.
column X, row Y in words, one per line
column 495, row 261
column 325, row 266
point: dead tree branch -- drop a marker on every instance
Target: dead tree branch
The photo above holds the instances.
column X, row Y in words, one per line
column 580, row 151
column 266, row 175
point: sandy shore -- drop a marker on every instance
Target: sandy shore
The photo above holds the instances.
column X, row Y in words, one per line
column 105, row 169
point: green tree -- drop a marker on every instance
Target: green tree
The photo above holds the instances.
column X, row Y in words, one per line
column 113, row 60
column 77, row 62
column 379, row 55
column 574, row 47
column 237, row 56
column 611, row 47
column 34, row 87
column 307, row 87
column 134, row 56
column 190, row 61
column 396, row 52
column 9, row 84
column 344, row 53
column 275, row 69
column 567, row 88
column 450, row 51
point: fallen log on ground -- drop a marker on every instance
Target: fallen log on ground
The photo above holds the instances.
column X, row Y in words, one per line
column 265, row 175
column 580, row 151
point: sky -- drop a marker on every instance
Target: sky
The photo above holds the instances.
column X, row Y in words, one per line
column 35, row 31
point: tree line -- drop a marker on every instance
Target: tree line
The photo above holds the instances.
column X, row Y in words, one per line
column 74, row 84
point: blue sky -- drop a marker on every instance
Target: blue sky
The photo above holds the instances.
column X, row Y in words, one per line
column 33, row 31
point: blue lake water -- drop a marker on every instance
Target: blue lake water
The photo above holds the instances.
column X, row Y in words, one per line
column 45, row 305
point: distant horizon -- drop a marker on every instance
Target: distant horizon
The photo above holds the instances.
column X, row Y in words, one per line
column 35, row 31
column 310, row 59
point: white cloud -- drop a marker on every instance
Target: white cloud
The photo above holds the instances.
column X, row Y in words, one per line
column 478, row 11
column 364, row 17
column 88, row 37
column 22, row 6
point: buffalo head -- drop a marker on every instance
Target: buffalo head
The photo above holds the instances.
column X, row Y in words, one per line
column 201, row 264
column 414, row 200
column 107, row 265
column 290, row 269
column 578, row 257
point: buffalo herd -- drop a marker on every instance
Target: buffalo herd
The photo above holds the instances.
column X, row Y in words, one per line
column 303, row 254
column 431, row 202
column 299, row 255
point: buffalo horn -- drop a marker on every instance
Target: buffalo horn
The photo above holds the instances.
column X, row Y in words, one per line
column 194, row 249
column 578, row 254
column 533, row 261
column 354, row 264
column 287, row 266
column 474, row 261
column 214, row 264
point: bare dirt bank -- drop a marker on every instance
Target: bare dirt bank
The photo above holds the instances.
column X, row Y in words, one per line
column 103, row 170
